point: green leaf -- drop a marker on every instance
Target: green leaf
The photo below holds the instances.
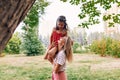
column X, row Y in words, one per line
column 111, row 24
column 64, row 0
column 89, row 8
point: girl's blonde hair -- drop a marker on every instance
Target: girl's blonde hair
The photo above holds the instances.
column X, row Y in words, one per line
column 68, row 49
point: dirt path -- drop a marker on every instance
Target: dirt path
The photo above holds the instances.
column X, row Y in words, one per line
column 95, row 62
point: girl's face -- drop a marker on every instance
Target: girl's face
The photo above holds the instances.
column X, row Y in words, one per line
column 60, row 24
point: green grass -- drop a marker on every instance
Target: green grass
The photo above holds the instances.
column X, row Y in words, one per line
column 83, row 73
column 90, row 61
column 34, row 68
column 21, row 73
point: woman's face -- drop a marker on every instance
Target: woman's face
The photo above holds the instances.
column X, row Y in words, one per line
column 60, row 24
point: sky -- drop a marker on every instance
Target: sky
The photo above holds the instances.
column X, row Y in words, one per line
column 57, row 8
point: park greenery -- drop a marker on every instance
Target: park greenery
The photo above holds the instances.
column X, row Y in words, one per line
column 28, row 41
column 31, row 43
column 13, row 46
column 106, row 47
column 91, row 10
column 83, row 66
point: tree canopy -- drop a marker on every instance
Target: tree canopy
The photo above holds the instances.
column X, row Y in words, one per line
column 92, row 10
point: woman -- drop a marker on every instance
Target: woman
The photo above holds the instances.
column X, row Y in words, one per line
column 65, row 53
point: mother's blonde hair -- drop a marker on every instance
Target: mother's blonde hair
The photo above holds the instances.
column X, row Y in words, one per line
column 68, row 49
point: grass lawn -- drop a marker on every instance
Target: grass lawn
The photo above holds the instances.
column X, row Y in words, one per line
column 84, row 67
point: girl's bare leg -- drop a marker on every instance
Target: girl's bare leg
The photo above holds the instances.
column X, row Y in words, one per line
column 46, row 54
column 52, row 51
column 51, row 54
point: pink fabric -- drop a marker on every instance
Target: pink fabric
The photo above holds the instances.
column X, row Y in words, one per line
column 59, row 76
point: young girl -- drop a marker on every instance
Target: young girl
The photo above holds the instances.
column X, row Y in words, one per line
column 65, row 53
column 59, row 31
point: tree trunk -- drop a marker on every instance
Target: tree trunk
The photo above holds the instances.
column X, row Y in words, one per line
column 12, row 12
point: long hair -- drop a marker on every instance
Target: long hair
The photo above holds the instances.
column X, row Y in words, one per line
column 68, row 49
column 62, row 19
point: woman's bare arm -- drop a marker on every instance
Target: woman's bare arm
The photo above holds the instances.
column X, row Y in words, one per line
column 56, row 68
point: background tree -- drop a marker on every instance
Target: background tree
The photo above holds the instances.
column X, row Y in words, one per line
column 95, row 36
column 31, row 44
column 78, row 35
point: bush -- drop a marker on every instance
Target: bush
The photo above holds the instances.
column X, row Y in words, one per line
column 115, row 48
column 2, row 54
column 31, row 45
column 106, row 46
column 76, row 47
column 13, row 46
column 99, row 47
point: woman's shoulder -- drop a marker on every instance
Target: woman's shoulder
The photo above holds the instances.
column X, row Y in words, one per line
column 61, row 53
